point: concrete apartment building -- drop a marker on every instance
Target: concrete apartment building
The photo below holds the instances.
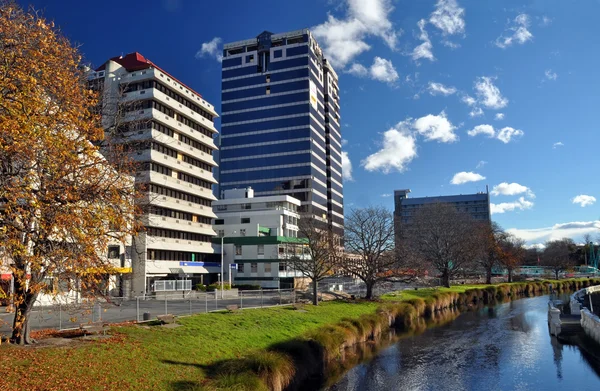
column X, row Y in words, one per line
column 258, row 234
column 280, row 124
column 169, row 128
column 477, row 205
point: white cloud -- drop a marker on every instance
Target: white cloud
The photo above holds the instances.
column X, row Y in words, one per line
column 358, row 70
column 550, row 75
column 374, row 15
column 558, row 144
column 440, row 89
column 344, row 39
column 464, row 177
column 518, row 32
column 386, row 195
column 506, row 134
column 211, row 49
column 481, row 164
column 488, row 94
column 346, row 167
column 448, row 17
column 476, row 112
column 499, row 116
column 546, row 21
column 450, row 44
column 584, row 200
column 399, row 148
column 424, row 50
column 344, row 142
column 436, row 128
column 469, row 100
column 482, row 129
column 574, row 230
column 383, row 70
column 520, row 204
column 510, row 189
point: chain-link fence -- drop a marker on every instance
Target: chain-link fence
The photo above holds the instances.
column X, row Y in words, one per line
column 146, row 308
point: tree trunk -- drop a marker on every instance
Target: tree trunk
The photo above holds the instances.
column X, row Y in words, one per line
column 20, row 333
column 446, row 279
column 315, row 293
column 369, row 294
column 510, row 272
column 556, row 273
column 488, row 276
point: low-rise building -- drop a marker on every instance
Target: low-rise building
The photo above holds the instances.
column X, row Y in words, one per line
column 258, row 235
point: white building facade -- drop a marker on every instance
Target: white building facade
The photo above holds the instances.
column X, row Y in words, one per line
column 169, row 130
column 258, row 235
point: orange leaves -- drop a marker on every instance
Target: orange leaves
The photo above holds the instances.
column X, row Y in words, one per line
column 60, row 196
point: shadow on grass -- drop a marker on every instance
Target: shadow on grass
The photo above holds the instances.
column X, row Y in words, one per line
column 274, row 369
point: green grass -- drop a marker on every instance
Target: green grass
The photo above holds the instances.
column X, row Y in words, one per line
column 162, row 359
column 253, row 349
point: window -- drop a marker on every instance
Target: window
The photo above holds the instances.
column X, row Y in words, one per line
column 268, row 92
column 240, row 268
column 242, row 232
column 246, row 206
column 261, row 249
column 267, row 268
column 254, row 267
column 282, row 266
column 219, row 222
column 277, row 53
column 221, row 233
column 238, row 249
column 249, row 58
column 268, row 78
column 221, row 207
column 245, row 220
column 113, row 252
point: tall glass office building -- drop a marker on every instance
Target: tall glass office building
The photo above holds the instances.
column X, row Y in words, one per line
column 280, row 123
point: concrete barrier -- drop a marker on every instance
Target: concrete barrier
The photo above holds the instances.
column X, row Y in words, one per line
column 590, row 324
column 554, row 319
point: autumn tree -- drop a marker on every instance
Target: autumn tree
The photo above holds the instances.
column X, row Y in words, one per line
column 511, row 253
column 369, row 243
column 62, row 202
column 556, row 255
column 490, row 236
column 443, row 238
column 314, row 256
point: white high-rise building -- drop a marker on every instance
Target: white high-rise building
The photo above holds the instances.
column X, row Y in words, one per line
column 169, row 130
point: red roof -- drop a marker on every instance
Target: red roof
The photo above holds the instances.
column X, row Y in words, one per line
column 135, row 62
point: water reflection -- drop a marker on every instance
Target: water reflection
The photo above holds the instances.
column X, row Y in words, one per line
column 504, row 347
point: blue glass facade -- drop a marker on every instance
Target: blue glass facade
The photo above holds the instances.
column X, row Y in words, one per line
column 280, row 130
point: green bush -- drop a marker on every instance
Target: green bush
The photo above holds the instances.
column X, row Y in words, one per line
column 216, row 287
column 200, row 287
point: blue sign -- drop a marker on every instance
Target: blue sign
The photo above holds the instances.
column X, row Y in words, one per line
column 233, row 266
column 205, row 264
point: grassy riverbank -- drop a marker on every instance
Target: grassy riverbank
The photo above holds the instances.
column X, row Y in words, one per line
column 248, row 350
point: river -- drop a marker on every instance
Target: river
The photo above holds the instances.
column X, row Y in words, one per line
column 505, row 347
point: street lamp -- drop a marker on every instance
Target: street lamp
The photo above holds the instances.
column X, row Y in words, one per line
column 223, row 252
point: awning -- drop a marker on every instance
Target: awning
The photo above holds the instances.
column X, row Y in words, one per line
column 176, row 270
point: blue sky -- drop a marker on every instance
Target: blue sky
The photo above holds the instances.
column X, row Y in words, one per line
column 432, row 92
